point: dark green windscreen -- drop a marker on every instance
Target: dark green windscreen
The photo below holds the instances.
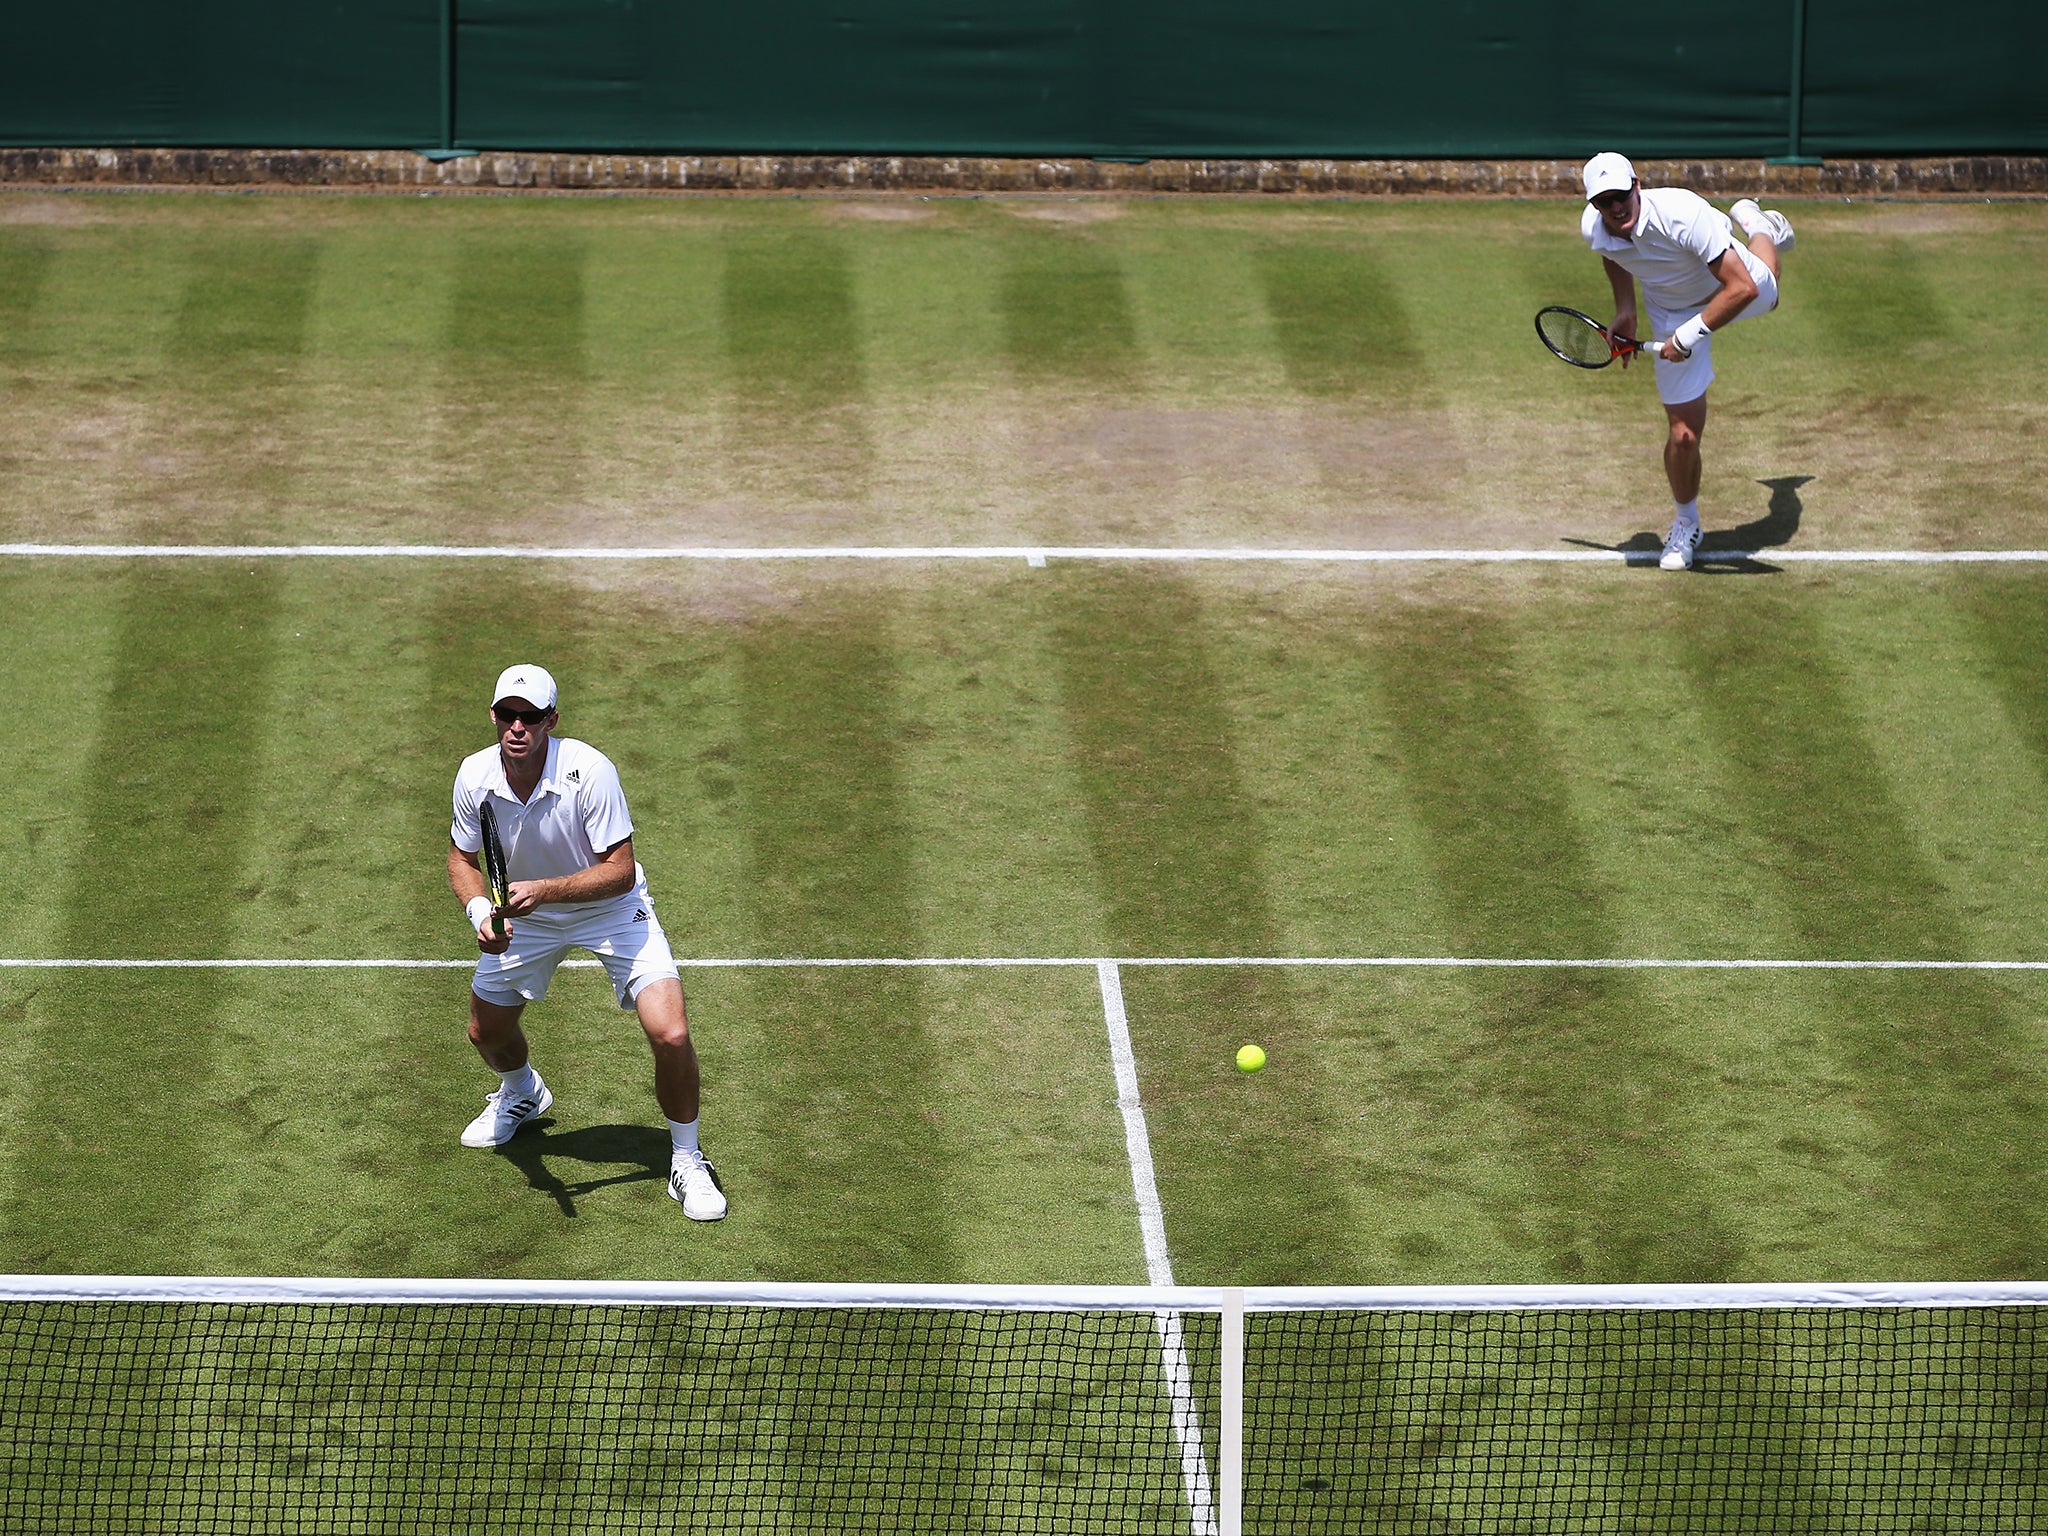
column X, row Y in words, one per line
column 1128, row 78
column 1957, row 79
column 316, row 73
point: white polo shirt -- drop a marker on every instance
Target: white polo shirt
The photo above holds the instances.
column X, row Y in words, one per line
column 1678, row 235
column 576, row 813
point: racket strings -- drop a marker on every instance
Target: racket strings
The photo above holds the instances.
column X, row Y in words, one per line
column 1574, row 337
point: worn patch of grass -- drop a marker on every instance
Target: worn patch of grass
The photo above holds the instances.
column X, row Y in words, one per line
column 642, row 371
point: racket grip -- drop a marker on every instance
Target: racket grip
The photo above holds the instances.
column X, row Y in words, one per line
column 497, row 924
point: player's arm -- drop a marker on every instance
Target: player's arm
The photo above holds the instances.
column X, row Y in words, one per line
column 465, row 876
column 1737, row 289
column 612, row 875
column 1624, row 286
column 466, row 879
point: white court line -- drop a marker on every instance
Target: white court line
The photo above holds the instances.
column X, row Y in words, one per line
column 1137, row 1140
column 1173, row 1351
column 1034, row 555
column 1417, row 962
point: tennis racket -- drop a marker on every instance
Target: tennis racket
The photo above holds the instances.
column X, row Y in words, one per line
column 1583, row 341
column 494, row 869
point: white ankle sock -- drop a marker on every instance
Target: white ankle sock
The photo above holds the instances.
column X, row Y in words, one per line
column 1689, row 511
column 519, row 1082
column 682, row 1136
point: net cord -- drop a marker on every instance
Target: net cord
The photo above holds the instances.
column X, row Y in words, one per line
column 371, row 1291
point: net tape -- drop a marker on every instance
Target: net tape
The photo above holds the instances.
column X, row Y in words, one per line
column 449, row 1406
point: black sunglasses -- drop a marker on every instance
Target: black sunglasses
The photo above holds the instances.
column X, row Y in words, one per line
column 523, row 716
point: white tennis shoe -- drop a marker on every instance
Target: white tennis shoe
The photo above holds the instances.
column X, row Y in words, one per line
column 503, row 1117
column 693, row 1184
column 1679, row 544
column 1761, row 221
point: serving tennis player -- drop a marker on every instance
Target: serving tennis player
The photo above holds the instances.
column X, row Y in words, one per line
column 1697, row 279
column 573, row 884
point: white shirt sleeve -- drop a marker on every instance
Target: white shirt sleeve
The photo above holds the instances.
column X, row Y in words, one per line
column 466, row 832
column 601, row 802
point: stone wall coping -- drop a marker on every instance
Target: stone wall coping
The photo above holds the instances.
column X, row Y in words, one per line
column 523, row 171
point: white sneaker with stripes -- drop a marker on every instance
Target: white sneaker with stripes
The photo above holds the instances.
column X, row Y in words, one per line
column 504, row 1115
column 693, row 1184
column 1679, row 544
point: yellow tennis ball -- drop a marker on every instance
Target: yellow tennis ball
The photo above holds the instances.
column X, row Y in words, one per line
column 1250, row 1058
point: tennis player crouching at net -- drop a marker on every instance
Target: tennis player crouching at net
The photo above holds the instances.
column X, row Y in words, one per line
column 1697, row 278
column 573, row 884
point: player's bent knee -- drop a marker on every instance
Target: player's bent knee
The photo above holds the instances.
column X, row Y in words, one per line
column 667, row 1040
column 659, row 1003
column 667, row 1033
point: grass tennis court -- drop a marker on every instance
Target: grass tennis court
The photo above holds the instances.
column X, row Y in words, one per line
column 251, row 759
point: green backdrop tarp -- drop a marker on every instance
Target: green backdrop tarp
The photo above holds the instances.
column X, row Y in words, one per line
column 328, row 73
column 1960, row 78
column 971, row 75
column 1134, row 78
column 1128, row 78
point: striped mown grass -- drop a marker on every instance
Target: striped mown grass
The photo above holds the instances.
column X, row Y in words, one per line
column 242, row 758
column 252, row 759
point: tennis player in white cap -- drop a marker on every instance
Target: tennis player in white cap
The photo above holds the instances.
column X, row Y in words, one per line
column 573, row 884
column 1697, row 278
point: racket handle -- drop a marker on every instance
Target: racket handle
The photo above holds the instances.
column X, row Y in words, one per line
column 497, row 925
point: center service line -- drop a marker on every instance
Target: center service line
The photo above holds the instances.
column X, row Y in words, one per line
column 1174, row 1364
column 1137, row 1139
column 1034, row 555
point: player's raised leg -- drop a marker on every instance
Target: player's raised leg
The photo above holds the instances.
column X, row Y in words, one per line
column 1768, row 232
column 521, row 1097
column 692, row 1181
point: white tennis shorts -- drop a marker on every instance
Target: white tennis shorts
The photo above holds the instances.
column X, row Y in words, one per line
column 625, row 935
column 1688, row 379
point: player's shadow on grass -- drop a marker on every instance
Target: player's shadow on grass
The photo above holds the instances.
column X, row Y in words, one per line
column 1729, row 551
column 644, row 1152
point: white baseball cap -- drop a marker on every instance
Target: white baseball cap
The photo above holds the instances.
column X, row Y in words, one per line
column 528, row 682
column 1608, row 172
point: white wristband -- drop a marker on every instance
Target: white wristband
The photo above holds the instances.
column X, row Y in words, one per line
column 478, row 909
column 1691, row 334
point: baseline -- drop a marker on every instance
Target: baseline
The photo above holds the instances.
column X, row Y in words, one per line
column 1034, row 555
column 1419, row 962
